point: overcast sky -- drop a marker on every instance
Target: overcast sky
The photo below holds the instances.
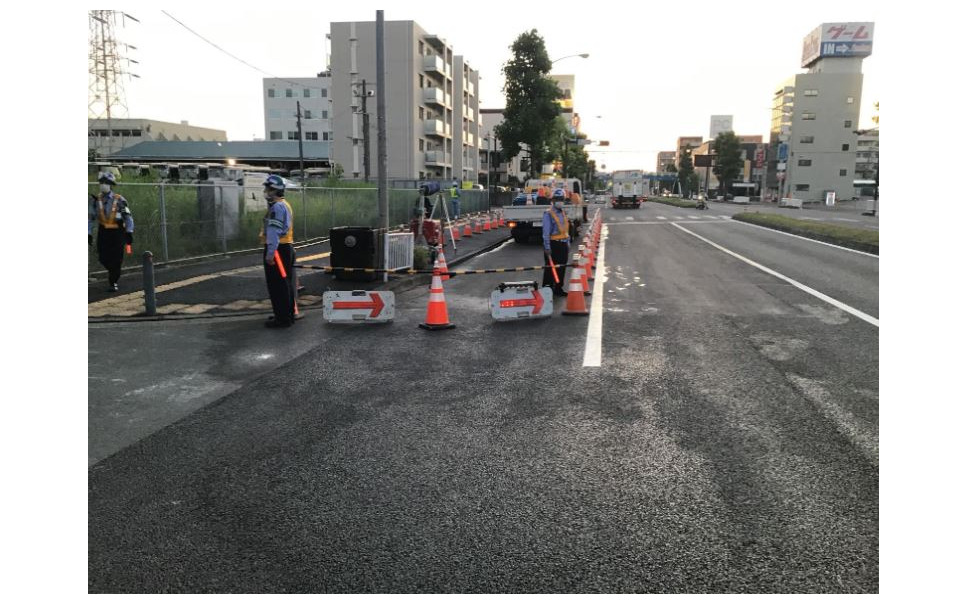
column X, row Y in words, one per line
column 653, row 74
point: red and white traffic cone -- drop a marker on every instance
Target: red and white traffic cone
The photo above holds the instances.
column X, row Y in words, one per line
column 467, row 230
column 579, row 262
column 487, row 224
column 437, row 308
column 440, row 264
column 575, row 304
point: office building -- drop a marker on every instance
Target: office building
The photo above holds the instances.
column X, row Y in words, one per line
column 815, row 117
column 280, row 97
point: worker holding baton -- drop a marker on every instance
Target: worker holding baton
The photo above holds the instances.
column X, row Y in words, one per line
column 278, row 254
column 554, row 231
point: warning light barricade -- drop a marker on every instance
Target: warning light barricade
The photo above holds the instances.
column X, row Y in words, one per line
column 358, row 306
column 512, row 301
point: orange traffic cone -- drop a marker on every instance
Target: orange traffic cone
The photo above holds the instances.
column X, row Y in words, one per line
column 455, row 232
column 477, row 226
column 487, row 224
column 579, row 261
column 500, row 221
column 441, row 264
column 437, row 308
column 575, row 305
column 467, row 230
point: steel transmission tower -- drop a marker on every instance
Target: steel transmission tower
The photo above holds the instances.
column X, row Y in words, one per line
column 106, row 90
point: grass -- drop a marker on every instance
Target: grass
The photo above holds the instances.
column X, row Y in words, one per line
column 865, row 240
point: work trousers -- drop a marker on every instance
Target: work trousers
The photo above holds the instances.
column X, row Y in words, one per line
column 281, row 290
column 110, row 251
column 559, row 255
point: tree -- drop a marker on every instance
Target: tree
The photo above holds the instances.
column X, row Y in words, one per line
column 687, row 174
column 729, row 159
column 564, row 147
column 530, row 109
column 670, row 167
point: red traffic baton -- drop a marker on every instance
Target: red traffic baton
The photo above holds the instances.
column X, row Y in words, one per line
column 127, row 248
column 554, row 272
column 282, row 270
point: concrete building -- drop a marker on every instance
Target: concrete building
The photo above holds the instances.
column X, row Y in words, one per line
column 868, row 151
column 682, row 143
column 125, row 132
column 430, row 128
column 280, row 96
column 664, row 159
column 815, row 115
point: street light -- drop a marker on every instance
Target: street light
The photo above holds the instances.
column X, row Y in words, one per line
column 582, row 55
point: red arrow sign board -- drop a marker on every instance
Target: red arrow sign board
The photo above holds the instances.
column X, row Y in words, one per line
column 358, row 306
column 520, row 303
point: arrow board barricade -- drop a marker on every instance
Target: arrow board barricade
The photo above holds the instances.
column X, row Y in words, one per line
column 358, row 306
column 512, row 301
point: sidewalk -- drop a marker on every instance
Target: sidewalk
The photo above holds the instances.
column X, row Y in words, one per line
column 235, row 286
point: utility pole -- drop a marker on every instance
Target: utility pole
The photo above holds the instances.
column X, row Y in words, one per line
column 381, row 126
column 363, row 94
column 105, row 91
column 299, row 132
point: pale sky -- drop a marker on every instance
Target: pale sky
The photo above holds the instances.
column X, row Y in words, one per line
column 653, row 74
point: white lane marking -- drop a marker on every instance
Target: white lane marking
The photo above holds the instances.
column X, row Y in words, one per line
column 661, row 218
column 694, row 217
column 724, row 216
column 668, row 222
column 861, row 434
column 807, row 239
column 628, row 218
column 593, row 338
column 859, row 314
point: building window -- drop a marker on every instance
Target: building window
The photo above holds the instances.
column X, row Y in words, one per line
column 845, row 147
column 812, row 92
column 292, row 135
column 272, row 93
column 324, row 92
column 843, row 172
column 307, row 114
column 323, row 114
column 804, row 162
column 848, row 123
column 808, row 116
column 288, row 93
column 806, row 139
column 850, row 100
column 312, row 136
column 803, row 187
column 275, row 114
column 305, row 93
column 275, row 135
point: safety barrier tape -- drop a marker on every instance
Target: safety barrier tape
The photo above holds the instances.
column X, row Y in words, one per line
column 429, row 271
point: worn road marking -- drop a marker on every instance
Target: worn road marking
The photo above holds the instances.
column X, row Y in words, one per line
column 859, row 314
column 661, row 218
column 593, row 338
column 808, row 239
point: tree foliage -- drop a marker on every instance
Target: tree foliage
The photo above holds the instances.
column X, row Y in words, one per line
column 729, row 159
column 563, row 147
column 530, row 110
column 687, row 174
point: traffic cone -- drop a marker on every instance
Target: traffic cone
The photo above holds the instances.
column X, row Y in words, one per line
column 455, row 232
column 441, row 264
column 477, row 226
column 500, row 220
column 437, row 307
column 467, row 230
column 579, row 262
column 587, row 264
column 487, row 224
column 575, row 304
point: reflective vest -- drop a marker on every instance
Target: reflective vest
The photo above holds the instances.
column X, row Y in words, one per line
column 283, row 239
column 453, row 192
column 110, row 219
column 562, row 232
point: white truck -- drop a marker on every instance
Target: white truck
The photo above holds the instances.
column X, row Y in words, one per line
column 526, row 212
column 629, row 188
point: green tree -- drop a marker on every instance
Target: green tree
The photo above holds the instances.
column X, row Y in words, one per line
column 530, row 109
column 687, row 174
column 564, row 147
column 729, row 159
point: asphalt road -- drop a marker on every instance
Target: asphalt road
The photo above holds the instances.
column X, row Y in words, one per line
column 727, row 443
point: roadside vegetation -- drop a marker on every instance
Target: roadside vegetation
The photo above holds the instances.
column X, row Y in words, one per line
column 673, row 201
column 865, row 240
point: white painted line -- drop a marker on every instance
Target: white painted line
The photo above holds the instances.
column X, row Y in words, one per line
column 859, row 314
column 661, row 218
column 724, row 216
column 807, row 239
column 694, row 217
column 667, row 222
column 628, row 218
column 593, row 338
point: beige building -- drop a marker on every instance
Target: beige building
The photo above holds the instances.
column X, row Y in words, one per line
column 280, row 97
column 664, row 159
column 125, row 132
column 432, row 106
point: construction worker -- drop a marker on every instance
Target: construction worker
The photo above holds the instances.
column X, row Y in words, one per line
column 554, row 230
column 454, row 201
column 115, row 228
column 277, row 238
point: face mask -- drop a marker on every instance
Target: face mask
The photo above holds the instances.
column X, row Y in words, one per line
column 269, row 197
column 105, row 188
column 559, row 205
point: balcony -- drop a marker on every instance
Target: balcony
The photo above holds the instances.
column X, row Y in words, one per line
column 469, row 138
column 436, row 157
column 433, row 63
column 434, row 95
column 469, row 114
column 434, row 128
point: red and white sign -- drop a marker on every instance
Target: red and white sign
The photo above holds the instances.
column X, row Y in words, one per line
column 358, row 306
column 851, row 39
column 520, row 300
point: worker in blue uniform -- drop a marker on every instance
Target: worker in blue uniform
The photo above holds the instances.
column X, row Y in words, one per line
column 454, row 201
column 277, row 237
column 554, row 231
column 115, row 227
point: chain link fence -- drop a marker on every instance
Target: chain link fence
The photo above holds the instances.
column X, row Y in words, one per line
column 182, row 221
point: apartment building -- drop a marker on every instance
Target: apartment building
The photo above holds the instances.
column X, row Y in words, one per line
column 282, row 96
column 431, row 102
column 815, row 115
column 109, row 137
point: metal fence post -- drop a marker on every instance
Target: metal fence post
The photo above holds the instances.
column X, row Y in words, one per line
column 164, row 227
column 148, row 281
column 305, row 210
